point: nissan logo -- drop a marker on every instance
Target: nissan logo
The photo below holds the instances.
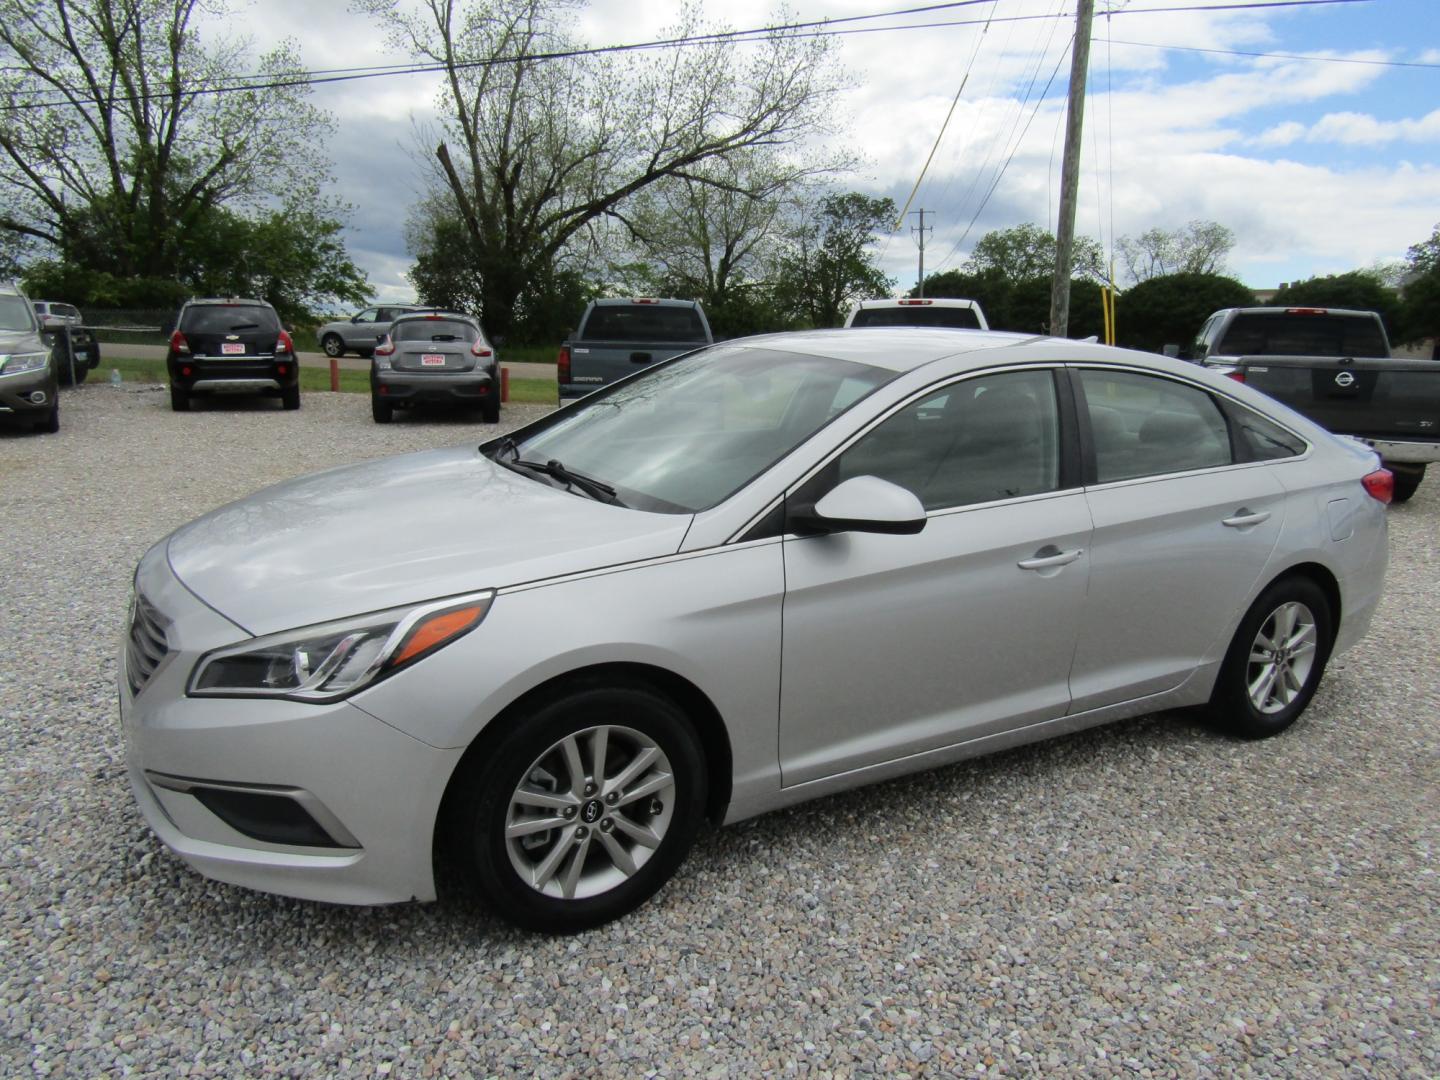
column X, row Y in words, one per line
column 1344, row 379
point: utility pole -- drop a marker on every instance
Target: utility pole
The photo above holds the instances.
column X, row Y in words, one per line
column 1070, row 170
column 921, row 231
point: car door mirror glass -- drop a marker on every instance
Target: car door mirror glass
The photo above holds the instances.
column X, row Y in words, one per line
column 865, row 504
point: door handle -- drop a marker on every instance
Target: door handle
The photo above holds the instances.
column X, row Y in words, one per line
column 1048, row 556
column 1244, row 517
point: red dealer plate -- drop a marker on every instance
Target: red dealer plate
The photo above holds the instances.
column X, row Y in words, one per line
column 431, row 359
column 232, row 348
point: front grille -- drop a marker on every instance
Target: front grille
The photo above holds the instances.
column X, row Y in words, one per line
column 146, row 646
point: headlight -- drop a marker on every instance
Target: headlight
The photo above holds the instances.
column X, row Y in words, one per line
column 327, row 662
column 25, row 361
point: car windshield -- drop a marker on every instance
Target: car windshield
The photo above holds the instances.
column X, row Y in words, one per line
column 15, row 313
column 687, row 435
column 228, row 319
column 433, row 330
column 954, row 317
column 1303, row 334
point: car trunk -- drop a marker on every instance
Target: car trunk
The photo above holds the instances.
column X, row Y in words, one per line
column 1370, row 397
column 437, row 356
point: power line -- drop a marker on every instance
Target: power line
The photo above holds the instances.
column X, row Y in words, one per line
column 1284, row 56
column 795, row 30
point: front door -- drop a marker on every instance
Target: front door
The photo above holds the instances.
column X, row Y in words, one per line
column 895, row 645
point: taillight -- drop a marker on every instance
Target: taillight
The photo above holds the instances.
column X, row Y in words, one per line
column 909, row 303
column 562, row 364
column 1307, row 311
column 476, row 349
column 283, row 344
column 385, row 348
column 178, row 342
column 1238, row 375
column 643, row 300
column 1380, row 484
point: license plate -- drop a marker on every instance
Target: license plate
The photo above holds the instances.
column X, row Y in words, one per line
column 431, row 360
column 232, row 348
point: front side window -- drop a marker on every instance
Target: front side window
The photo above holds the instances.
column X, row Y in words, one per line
column 688, row 434
column 1143, row 425
column 985, row 438
column 368, row 315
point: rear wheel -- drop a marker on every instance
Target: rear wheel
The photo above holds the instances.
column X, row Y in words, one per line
column 490, row 409
column 382, row 411
column 179, row 398
column 1275, row 660
column 1407, row 480
column 332, row 345
column 581, row 811
column 290, row 396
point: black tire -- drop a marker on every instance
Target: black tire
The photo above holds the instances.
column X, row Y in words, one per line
column 1407, row 480
column 51, row 424
column 481, row 803
column 179, row 398
column 82, row 372
column 1232, row 705
column 490, row 409
column 290, row 397
column 382, row 411
column 333, row 346
column 94, row 353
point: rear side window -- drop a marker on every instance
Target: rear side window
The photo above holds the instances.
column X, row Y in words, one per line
column 1262, row 440
column 1287, row 334
column 642, row 322
column 1142, row 425
column 952, row 317
column 433, row 330
column 228, row 319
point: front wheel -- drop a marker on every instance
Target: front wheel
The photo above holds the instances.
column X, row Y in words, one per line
column 1275, row 660
column 333, row 346
column 583, row 810
column 51, row 424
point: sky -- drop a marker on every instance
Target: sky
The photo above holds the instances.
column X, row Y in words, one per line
column 1318, row 166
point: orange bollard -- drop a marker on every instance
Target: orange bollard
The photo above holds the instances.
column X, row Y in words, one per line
column 504, row 384
column 334, row 375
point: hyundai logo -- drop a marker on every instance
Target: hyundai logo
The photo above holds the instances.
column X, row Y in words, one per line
column 1344, row 379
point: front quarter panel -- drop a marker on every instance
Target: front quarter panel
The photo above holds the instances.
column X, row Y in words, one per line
column 710, row 617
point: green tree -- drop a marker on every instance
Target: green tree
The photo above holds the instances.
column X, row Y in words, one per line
column 830, row 265
column 1198, row 248
column 121, row 132
column 1027, row 252
column 536, row 153
column 1420, row 308
column 1359, row 289
column 1169, row 309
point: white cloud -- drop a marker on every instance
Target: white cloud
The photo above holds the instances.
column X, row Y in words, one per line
column 1360, row 129
column 1281, row 134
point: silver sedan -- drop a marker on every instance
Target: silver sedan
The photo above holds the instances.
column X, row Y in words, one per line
column 769, row 570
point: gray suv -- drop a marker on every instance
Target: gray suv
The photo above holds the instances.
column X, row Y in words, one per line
column 362, row 331
column 28, row 387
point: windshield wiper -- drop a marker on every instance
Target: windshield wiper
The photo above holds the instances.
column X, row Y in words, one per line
column 596, row 489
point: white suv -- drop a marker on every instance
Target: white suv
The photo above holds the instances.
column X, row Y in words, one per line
column 941, row 311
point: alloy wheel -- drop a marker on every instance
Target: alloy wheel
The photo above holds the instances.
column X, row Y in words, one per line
column 1281, row 657
column 590, row 812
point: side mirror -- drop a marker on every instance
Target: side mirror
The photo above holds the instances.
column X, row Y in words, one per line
column 863, row 504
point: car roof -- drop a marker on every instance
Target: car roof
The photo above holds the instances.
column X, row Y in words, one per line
column 658, row 301
column 433, row 313
column 218, row 301
column 927, row 301
column 896, row 348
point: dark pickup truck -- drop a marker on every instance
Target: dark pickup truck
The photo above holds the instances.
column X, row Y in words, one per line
column 1334, row 365
column 619, row 337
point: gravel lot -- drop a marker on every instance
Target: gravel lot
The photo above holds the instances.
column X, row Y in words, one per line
column 1150, row 898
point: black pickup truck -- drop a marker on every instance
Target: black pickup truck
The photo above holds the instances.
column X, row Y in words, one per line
column 1334, row 365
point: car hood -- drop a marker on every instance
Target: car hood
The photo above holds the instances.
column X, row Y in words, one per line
column 398, row 531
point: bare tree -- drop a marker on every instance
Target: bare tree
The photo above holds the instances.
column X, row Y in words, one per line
column 1198, row 248
column 120, row 128
column 538, row 147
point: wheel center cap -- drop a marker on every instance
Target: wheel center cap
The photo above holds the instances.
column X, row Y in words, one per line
column 592, row 811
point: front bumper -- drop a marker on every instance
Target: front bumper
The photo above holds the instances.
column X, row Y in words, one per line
column 460, row 388
column 18, row 392
column 372, row 792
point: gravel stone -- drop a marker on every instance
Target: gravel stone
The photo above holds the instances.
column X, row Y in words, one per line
column 1148, row 899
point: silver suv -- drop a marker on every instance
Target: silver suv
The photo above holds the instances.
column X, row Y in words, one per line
column 362, row 331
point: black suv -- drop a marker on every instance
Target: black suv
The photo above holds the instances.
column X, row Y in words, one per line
column 231, row 345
